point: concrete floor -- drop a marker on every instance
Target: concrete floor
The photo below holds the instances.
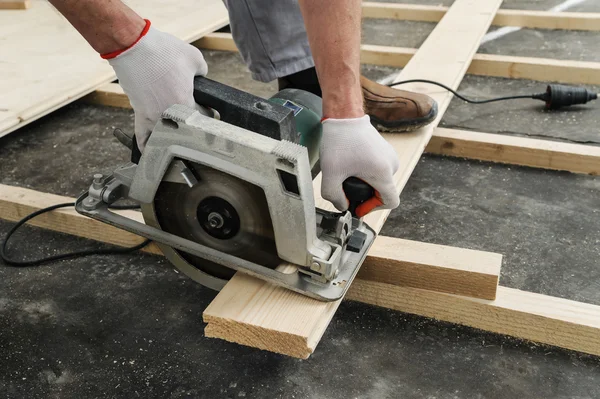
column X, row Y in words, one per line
column 130, row 326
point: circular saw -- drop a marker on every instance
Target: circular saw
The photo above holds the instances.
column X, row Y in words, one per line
column 233, row 192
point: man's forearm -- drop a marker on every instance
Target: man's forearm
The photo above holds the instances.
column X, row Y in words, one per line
column 334, row 30
column 107, row 25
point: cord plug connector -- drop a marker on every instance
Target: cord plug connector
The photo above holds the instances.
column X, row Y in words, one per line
column 557, row 96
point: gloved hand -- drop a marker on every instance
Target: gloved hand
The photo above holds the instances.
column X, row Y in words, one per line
column 353, row 147
column 155, row 73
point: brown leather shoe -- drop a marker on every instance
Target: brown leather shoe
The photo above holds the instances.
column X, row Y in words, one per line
column 393, row 110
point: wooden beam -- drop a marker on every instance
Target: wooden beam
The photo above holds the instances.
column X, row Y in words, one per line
column 111, row 95
column 216, row 41
column 18, row 202
column 255, row 313
column 513, row 150
column 386, row 55
column 404, row 12
column 545, row 154
column 522, row 18
column 521, row 314
column 540, row 318
column 14, row 4
column 432, row 267
column 540, row 69
column 503, row 66
column 549, row 20
column 411, row 263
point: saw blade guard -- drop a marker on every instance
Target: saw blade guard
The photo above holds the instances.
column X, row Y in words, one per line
column 281, row 169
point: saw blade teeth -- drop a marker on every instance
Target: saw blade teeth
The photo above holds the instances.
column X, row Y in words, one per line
column 288, row 151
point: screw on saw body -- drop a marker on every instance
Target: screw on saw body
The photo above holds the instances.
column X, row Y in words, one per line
column 98, row 181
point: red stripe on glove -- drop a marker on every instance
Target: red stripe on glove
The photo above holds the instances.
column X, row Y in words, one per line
column 114, row 54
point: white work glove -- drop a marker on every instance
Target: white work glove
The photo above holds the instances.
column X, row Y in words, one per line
column 155, row 73
column 354, row 148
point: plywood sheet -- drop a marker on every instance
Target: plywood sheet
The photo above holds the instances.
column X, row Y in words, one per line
column 46, row 64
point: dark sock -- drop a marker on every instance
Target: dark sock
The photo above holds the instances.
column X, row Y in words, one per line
column 306, row 80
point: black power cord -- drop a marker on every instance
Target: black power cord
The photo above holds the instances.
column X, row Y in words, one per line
column 555, row 96
column 69, row 255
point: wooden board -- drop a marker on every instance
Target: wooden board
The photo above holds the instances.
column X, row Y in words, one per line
column 522, row 18
column 111, row 95
column 433, row 267
column 545, row 154
column 540, row 69
column 47, row 65
column 504, row 66
column 414, row 264
column 18, row 202
column 513, row 150
column 521, row 314
column 254, row 313
column 540, row 318
column 217, row 41
column 14, row 4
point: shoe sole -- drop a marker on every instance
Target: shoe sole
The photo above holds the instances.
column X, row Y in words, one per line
column 405, row 126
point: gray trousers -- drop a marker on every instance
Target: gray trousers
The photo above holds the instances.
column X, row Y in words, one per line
column 271, row 37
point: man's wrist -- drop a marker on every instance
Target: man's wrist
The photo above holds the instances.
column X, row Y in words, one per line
column 124, row 34
column 127, row 38
column 343, row 104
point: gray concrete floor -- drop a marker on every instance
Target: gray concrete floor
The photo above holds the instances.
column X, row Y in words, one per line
column 130, row 326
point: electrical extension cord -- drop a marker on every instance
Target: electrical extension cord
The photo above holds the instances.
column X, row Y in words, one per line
column 555, row 96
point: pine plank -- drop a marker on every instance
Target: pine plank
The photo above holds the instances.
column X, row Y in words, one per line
column 254, row 313
column 512, row 150
column 18, row 202
column 533, row 68
column 433, row 267
column 534, row 317
column 14, row 4
column 504, row 17
column 503, row 66
column 111, row 95
column 403, row 12
column 222, row 41
column 410, row 263
column 525, row 315
column 545, row 154
column 521, row 314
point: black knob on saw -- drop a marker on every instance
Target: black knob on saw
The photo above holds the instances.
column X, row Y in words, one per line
column 357, row 192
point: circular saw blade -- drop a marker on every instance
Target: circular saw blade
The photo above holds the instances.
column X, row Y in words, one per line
column 220, row 211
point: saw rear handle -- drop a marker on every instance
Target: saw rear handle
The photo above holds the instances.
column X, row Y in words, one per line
column 357, row 191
